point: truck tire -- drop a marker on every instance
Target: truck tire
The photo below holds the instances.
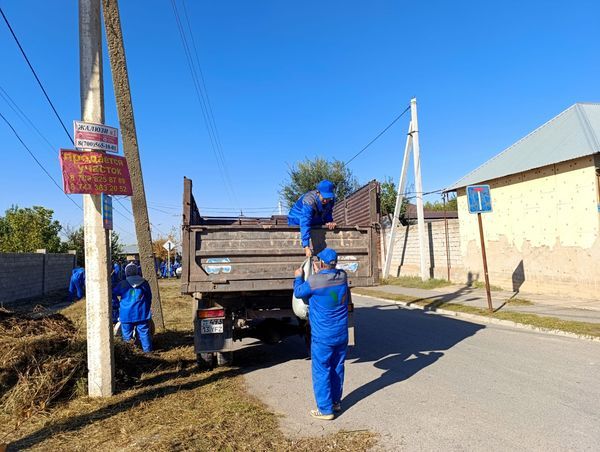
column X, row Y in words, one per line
column 224, row 358
column 206, row 361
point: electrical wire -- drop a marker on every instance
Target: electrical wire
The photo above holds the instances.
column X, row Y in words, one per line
column 202, row 95
column 35, row 74
column 378, row 135
column 37, row 161
column 19, row 112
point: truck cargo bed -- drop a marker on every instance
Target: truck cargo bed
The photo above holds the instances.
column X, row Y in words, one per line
column 222, row 255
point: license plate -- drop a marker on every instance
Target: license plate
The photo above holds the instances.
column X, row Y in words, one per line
column 211, row 326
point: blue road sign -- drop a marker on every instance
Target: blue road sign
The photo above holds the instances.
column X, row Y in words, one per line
column 107, row 211
column 479, row 198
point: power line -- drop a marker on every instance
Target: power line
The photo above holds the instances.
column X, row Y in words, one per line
column 205, row 105
column 37, row 161
column 379, row 135
column 35, row 75
column 19, row 112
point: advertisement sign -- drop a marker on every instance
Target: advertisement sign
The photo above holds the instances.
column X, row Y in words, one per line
column 94, row 173
column 97, row 137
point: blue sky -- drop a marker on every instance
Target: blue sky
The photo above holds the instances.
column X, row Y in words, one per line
column 289, row 80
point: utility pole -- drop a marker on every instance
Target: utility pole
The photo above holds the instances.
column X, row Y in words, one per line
column 118, row 65
column 418, row 187
column 97, row 244
column 412, row 142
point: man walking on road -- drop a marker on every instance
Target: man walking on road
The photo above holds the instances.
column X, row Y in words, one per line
column 328, row 294
column 314, row 208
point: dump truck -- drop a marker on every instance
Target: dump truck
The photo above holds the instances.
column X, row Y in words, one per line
column 240, row 271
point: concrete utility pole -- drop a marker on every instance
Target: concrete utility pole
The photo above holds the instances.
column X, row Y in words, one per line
column 418, row 187
column 412, row 142
column 101, row 368
column 118, row 65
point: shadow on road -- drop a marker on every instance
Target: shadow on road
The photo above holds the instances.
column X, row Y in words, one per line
column 401, row 342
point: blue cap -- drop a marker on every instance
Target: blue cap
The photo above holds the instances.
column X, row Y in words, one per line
column 328, row 256
column 326, row 188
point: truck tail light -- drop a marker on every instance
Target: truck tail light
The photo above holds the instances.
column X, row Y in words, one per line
column 350, row 307
column 211, row 313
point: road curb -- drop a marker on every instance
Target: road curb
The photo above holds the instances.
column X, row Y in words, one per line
column 488, row 320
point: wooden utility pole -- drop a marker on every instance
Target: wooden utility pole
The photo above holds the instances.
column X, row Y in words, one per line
column 101, row 368
column 118, row 66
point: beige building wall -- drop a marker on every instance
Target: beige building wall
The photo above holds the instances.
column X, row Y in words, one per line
column 543, row 233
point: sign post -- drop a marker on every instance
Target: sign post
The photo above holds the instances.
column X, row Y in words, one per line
column 480, row 201
column 168, row 245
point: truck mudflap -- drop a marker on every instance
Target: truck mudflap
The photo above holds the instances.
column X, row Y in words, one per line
column 213, row 331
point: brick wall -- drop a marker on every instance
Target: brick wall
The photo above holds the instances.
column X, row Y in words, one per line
column 406, row 257
column 28, row 275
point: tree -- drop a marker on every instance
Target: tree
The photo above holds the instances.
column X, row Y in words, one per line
column 75, row 241
column 25, row 230
column 159, row 250
column 304, row 176
column 388, row 198
column 451, row 205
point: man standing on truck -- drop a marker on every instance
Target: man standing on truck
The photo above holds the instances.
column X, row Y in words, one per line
column 314, row 208
column 328, row 294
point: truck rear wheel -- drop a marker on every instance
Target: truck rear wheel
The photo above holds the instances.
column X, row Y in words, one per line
column 206, row 361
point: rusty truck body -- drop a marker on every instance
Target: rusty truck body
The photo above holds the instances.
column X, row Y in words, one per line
column 240, row 271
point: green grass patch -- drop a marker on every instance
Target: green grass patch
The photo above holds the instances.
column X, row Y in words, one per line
column 481, row 285
column 415, row 282
column 551, row 323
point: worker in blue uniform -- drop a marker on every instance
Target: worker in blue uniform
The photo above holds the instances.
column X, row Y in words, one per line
column 314, row 208
column 134, row 306
column 77, row 284
column 328, row 297
column 115, row 276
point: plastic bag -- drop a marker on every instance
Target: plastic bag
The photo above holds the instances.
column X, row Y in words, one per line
column 299, row 307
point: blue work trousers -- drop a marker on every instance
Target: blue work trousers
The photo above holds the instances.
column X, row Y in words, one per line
column 327, row 374
column 142, row 330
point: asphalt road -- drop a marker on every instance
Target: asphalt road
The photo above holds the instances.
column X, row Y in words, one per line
column 427, row 382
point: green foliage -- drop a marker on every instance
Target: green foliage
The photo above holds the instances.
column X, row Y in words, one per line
column 305, row 175
column 24, row 230
column 388, row 199
column 75, row 241
column 451, row 205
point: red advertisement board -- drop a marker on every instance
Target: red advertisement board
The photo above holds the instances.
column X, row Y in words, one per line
column 94, row 173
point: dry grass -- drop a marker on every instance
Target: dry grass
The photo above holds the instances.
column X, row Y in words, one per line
column 545, row 322
column 518, row 302
column 481, row 285
column 171, row 406
column 415, row 282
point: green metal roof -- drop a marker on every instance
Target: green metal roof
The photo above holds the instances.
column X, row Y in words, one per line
column 572, row 134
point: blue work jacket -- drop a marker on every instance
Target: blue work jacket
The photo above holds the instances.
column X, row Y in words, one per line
column 135, row 299
column 328, row 295
column 309, row 211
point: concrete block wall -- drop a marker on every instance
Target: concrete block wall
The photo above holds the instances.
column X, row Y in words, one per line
column 406, row 255
column 28, row 275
